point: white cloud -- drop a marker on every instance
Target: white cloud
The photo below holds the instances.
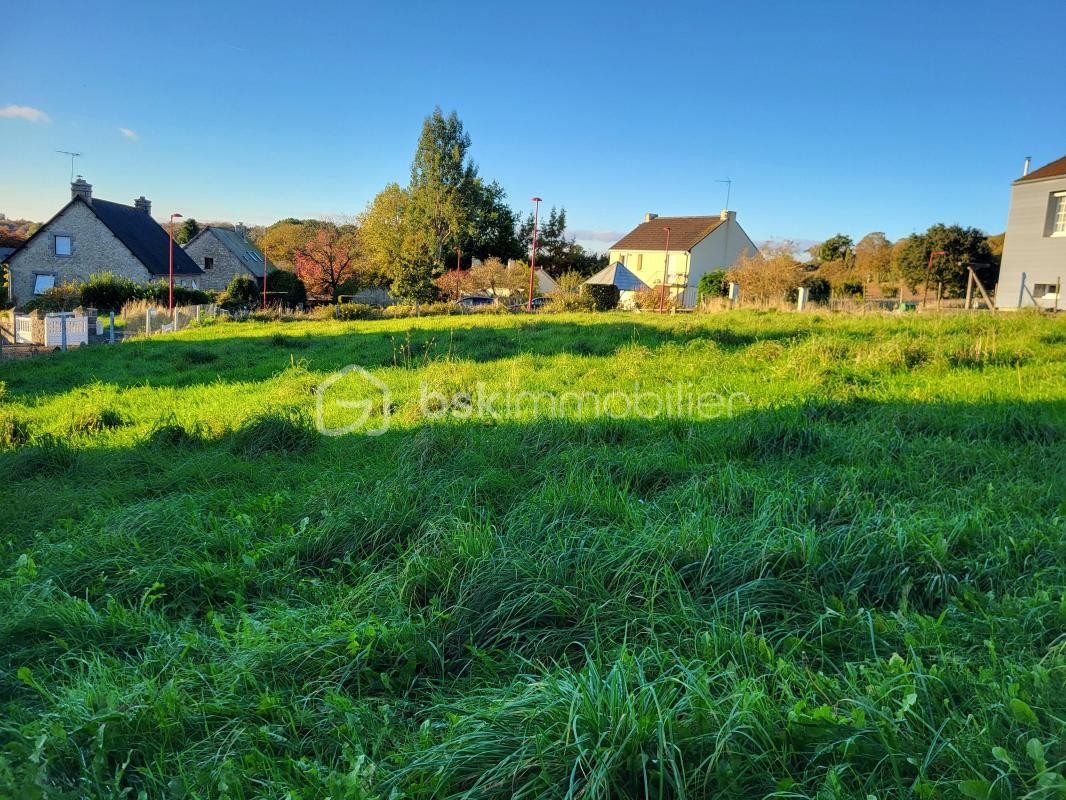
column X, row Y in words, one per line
column 587, row 235
column 24, row 112
column 131, row 135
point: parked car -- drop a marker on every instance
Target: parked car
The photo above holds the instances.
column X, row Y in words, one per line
column 473, row 301
column 538, row 304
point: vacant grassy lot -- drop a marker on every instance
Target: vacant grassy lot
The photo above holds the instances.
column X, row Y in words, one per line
column 846, row 581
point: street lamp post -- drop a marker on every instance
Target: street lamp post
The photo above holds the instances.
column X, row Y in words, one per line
column 458, row 255
column 533, row 255
column 170, row 304
column 929, row 274
column 666, row 272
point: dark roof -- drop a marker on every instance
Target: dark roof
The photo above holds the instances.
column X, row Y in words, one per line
column 1056, row 169
column 5, row 252
column 617, row 274
column 685, row 233
column 250, row 256
column 144, row 237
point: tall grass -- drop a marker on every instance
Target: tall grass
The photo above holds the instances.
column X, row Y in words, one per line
column 852, row 587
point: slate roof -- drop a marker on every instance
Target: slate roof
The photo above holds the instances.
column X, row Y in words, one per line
column 250, row 256
column 685, row 233
column 5, row 252
column 142, row 236
column 1055, row 169
column 618, row 275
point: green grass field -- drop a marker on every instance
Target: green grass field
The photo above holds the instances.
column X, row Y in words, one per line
column 845, row 581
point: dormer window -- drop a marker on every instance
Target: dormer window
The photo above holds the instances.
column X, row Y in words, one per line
column 63, row 245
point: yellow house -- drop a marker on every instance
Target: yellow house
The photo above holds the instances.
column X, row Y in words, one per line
column 697, row 245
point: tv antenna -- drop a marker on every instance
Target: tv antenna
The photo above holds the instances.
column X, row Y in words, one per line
column 72, row 155
column 728, row 188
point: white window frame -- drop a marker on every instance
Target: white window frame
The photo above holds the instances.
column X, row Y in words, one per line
column 38, row 289
column 1045, row 291
column 70, row 244
column 1058, row 214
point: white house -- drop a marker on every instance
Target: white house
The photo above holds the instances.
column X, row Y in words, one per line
column 1034, row 251
column 697, row 245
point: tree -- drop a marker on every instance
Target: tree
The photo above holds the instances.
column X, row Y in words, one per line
column 767, row 275
column 243, row 291
column 442, row 192
column 383, row 231
column 186, row 231
column 873, row 257
column 836, row 248
column 570, row 282
column 960, row 247
column 495, row 278
column 712, row 284
column 493, row 225
column 285, row 288
column 281, row 240
column 327, row 260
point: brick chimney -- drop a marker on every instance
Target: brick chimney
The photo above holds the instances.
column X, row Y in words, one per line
column 241, row 230
column 143, row 204
column 83, row 189
column 649, row 217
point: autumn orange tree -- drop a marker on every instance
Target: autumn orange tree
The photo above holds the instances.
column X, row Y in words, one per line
column 328, row 259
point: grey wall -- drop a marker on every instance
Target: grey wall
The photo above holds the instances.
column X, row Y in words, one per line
column 1027, row 247
column 226, row 264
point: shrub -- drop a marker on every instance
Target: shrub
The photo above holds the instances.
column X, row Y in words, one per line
column 649, row 299
column 159, row 292
column 713, row 284
column 604, row 296
column 106, row 291
column 292, row 290
column 851, row 289
column 571, row 302
column 818, row 287
column 59, row 298
column 346, row 311
column 243, row 292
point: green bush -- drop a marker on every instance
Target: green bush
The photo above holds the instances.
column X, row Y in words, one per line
column 106, row 291
column 571, row 302
column 819, row 289
column 713, row 284
column 605, row 297
column 243, row 292
column 293, row 291
column 347, row 311
column 64, row 297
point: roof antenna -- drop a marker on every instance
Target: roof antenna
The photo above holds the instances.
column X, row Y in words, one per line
column 728, row 188
column 72, row 157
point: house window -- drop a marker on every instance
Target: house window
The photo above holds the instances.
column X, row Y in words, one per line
column 1047, row 291
column 209, row 263
column 63, row 245
column 42, row 283
column 1058, row 214
column 255, row 257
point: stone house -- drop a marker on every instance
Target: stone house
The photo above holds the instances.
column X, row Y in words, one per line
column 223, row 254
column 1033, row 267
column 90, row 235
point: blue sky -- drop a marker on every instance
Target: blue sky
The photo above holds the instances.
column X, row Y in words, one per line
column 828, row 116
